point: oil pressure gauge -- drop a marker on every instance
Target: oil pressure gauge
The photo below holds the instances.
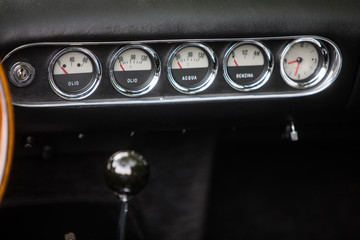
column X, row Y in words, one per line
column 192, row 68
column 134, row 70
column 304, row 63
column 74, row 73
column 247, row 65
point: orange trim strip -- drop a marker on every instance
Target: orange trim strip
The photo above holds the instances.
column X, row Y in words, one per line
column 11, row 138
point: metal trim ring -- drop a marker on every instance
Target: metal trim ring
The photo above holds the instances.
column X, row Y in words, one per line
column 155, row 60
column 319, row 75
column 18, row 82
column 213, row 63
column 262, row 79
column 95, row 81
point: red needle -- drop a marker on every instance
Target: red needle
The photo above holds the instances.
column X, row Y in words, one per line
column 236, row 63
column 179, row 65
column 297, row 68
column 64, row 70
column 293, row 62
column 122, row 67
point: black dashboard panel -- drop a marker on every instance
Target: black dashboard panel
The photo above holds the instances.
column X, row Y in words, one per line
column 40, row 57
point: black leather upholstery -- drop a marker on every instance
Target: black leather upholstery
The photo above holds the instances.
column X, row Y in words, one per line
column 23, row 21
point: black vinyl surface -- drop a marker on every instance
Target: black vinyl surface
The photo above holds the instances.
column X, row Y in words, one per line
column 244, row 183
column 67, row 192
column 304, row 191
column 24, row 21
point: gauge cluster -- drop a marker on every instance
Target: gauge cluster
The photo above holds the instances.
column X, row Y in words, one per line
column 64, row 74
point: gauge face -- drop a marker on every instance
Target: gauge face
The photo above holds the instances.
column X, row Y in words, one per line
column 301, row 61
column 74, row 73
column 247, row 66
column 135, row 70
column 304, row 63
column 192, row 68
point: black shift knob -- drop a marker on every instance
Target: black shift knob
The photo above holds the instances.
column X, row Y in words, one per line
column 126, row 173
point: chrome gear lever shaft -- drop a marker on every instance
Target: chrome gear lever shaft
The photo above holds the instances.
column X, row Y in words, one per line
column 126, row 174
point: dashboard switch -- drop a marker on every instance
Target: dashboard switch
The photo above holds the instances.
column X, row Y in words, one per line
column 22, row 74
column 294, row 135
column 290, row 132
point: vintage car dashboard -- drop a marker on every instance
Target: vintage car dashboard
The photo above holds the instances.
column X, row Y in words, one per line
column 209, row 91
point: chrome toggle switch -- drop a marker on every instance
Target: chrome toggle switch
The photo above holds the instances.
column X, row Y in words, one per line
column 290, row 132
column 293, row 133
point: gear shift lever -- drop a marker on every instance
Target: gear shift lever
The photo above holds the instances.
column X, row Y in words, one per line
column 126, row 174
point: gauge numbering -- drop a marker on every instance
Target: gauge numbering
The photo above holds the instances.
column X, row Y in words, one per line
column 134, row 70
column 247, row 65
column 304, row 63
column 192, row 68
column 74, row 73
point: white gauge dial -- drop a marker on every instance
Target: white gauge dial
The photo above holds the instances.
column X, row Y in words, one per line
column 247, row 65
column 192, row 68
column 73, row 63
column 301, row 61
column 133, row 60
column 190, row 57
column 246, row 55
column 134, row 70
column 304, row 63
column 75, row 73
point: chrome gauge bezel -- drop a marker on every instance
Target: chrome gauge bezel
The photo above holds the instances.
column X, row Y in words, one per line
column 317, row 76
column 213, row 65
column 262, row 79
column 156, row 68
column 94, row 82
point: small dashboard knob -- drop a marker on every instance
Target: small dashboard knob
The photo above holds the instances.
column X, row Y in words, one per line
column 126, row 173
column 22, row 74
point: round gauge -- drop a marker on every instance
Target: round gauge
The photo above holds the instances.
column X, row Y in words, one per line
column 134, row 70
column 74, row 73
column 192, row 68
column 247, row 65
column 304, row 63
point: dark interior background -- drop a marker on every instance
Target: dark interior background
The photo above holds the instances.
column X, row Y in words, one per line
column 218, row 170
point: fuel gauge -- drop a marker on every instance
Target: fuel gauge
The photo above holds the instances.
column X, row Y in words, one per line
column 192, row 68
column 247, row 65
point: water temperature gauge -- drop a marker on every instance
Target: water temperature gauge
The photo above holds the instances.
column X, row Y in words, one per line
column 304, row 63
column 74, row 73
column 247, row 65
column 134, row 70
column 192, row 68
